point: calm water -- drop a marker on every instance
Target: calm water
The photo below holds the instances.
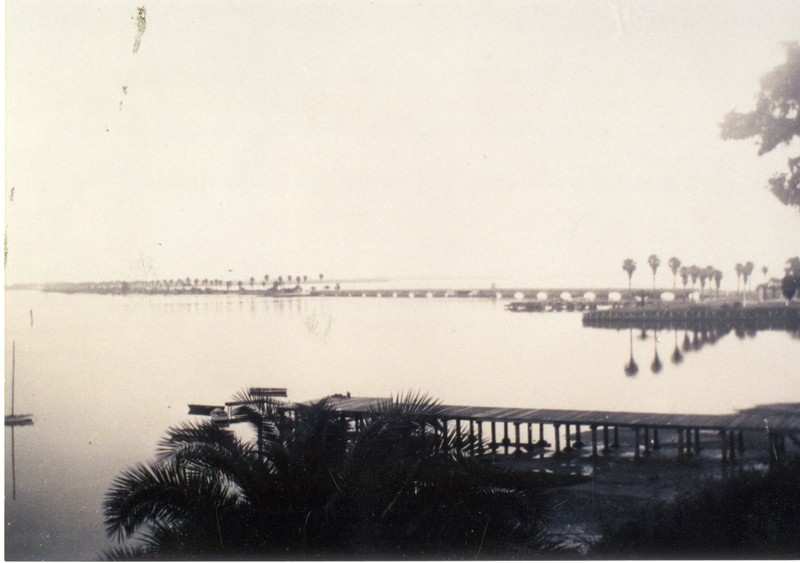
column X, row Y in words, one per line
column 105, row 376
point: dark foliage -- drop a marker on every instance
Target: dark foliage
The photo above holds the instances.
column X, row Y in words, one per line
column 308, row 488
column 775, row 121
column 751, row 515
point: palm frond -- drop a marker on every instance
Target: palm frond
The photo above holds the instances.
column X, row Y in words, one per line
column 128, row 553
column 157, row 493
column 177, row 437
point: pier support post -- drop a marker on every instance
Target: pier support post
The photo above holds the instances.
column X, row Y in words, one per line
column 578, row 443
column 724, row 443
column 518, row 444
column 697, row 446
column 493, row 445
column 567, row 445
column 557, row 427
column 458, row 434
column 688, row 442
column 480, row 436
column 606, row 450
column 646, row 440
column 594, row 441
column 530, row 437
column 616, row 437
column 680, row 444
column 636, row 443
column 741, row 441
column 471, row 436
column 656, row 444
column 732, row 446
column 542, row 441
column 506, row 439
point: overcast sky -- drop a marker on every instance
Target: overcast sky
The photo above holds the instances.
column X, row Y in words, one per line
column 537, row 141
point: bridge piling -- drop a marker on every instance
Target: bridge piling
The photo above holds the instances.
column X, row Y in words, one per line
column 556, row 427
column 578, row 442
column 724, row 446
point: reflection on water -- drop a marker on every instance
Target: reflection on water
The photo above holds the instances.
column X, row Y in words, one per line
column 107, row 375
column 696, row 336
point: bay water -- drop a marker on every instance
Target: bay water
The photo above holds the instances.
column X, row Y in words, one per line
column 105, row 376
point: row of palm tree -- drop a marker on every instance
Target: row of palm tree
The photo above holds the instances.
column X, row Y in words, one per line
column 308, row 486
column 197, row 284
column 695, row 273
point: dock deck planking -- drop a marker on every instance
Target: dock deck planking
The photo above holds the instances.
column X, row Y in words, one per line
column 785, row 419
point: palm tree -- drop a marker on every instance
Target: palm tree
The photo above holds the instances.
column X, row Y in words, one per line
column 694, row 273
column 309, row 487
column 747, row 270
column 703, row 275
column 739, row 271
column 252, row 282
column 629, row 266
column 717, row 280
column 684, row 271
column 654, row 262
column 674, row 264
column 320, row 277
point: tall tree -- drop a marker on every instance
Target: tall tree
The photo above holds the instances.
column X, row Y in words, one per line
column 684, row 271
column 674, row 265
column 717, row 274
column 774, row 121
column 709, row 274
column 653, row 261
column 739, row 270
column 694, row 273
column 793, row 266
column 747, row 271
column 629, row 265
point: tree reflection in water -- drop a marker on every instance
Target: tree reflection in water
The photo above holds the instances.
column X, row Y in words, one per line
column 705, row 333
column 655, row 367
column 677, row 356
column 631, row 368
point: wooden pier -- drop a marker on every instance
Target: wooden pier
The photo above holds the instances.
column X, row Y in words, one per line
column 518, row 431
column 761, row 316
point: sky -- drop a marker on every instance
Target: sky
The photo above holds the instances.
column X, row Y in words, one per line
column 540, row 142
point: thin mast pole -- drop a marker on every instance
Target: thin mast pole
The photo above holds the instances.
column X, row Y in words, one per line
column 13, row 368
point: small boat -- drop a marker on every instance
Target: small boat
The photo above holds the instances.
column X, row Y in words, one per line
column 16, row 419
column 219, row 416
column 19, row 419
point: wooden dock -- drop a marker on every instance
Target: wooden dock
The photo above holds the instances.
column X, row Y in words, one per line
column 511, row 430
column 776, row 316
